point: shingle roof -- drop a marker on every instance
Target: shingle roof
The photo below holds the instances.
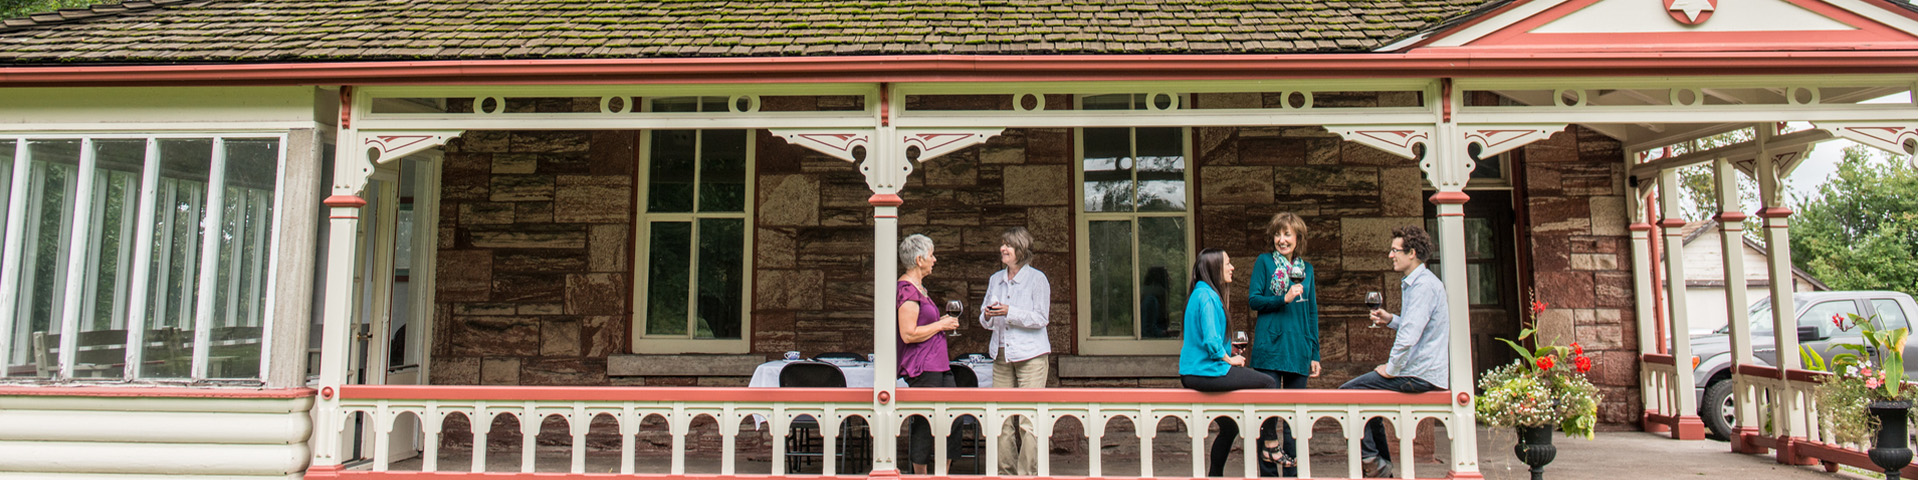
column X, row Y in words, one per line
column 176, row 31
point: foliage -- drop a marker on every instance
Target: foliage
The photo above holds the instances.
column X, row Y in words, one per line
column 1859, row 232
column 1699, row 199
column 21, row 8
column 1874, row 372
column 1548, row 387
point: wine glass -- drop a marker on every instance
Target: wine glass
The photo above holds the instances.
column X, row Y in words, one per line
column 954, row 307
column 1239, row 342
column 1373, row 303
column 1299, row 275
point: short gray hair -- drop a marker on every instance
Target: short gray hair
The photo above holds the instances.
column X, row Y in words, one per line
column 912, row 248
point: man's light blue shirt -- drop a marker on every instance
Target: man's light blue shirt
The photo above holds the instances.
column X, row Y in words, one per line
column 1420, row 331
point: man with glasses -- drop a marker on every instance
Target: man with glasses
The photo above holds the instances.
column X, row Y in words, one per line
column 1418, row 361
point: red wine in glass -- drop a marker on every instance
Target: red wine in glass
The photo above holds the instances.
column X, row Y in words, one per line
column 1373, row 303
column 1240, row 341
column 954, row 307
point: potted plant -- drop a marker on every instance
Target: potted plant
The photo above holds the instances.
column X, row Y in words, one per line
column 1547, row 388
column 1868, row 395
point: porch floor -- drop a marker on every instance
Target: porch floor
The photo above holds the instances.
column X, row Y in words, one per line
column 1608, row 455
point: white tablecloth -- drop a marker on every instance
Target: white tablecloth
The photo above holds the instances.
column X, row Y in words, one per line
column 859, row 374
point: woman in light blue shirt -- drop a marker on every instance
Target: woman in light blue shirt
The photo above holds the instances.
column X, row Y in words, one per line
column 1206, row 363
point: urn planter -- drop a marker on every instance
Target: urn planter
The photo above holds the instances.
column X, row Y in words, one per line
column 1890, row 450
column 1535, row 449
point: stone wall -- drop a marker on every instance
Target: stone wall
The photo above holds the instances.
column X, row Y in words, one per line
column 1581, row 256
column 534, row 257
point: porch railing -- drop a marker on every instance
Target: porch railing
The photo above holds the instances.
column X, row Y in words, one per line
column 1789, row 421
column 1663, row 401
column 731, row 407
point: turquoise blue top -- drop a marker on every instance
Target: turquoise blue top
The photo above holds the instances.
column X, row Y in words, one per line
column 1204, row 348
column 1286, row 335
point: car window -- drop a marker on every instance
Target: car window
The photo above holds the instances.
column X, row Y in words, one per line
column 1891, row 316
column 1821, row 315
column 1760, row 315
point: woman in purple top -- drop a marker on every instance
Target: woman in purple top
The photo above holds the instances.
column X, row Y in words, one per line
column 923, row 344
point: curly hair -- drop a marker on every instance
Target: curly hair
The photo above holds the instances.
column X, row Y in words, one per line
column 1415, row 239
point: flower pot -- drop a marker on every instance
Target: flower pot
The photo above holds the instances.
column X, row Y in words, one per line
column 1890, row 450
column 1535, row 448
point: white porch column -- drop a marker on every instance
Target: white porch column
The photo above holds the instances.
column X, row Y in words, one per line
column 1639, row 233
column 1786, row 331
column 1733, row 265
column 1687, row 424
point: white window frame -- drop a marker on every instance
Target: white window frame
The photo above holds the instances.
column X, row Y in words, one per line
column 642, row 224
column 1090, row 345
column 75, row 278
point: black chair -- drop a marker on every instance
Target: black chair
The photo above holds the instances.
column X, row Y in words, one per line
column 971, row 440
column 854, row 443
column 829, row 356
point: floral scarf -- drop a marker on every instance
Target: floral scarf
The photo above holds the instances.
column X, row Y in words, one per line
column 1282, row 273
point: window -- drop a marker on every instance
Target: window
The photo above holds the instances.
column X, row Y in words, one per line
column 108, row 246
column 1134, row 231
column 1821, row 315
column 693, row 237
column 1891, row 315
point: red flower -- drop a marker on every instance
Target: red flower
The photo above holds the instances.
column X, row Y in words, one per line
column 1836, row 321
column 1545, row 363
column 1539, row 307
column 1582, row 364
column 1577, row 350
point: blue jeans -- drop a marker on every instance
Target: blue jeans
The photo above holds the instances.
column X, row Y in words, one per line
column 1374, row 442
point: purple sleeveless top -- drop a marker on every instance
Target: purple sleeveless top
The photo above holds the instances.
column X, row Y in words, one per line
column 927, row 356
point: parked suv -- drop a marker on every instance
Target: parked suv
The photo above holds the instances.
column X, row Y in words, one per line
column 1713, row 385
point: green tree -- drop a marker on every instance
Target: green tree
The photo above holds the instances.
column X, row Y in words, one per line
column 1859, row 232
column 1699, row 199
column 21, row 8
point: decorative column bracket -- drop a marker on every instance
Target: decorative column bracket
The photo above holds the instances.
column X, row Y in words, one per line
column 1395, row 139
column 886, row 173
column 1898, row 138
column 1450, row 175
column 380, row 147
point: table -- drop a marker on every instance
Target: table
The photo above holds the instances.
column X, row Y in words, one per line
column 859, row 373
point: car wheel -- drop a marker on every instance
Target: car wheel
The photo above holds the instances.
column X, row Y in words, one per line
column 1716, row 409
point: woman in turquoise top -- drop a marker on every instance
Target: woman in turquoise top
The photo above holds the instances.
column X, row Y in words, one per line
column 1206, row 364
column 1286, row 335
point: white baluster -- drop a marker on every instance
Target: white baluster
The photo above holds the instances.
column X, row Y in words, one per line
column 1144, row 429
column 629, row 427
column 780, row 428
column 530, row 421
column 679, row 423
column 1302, row 436
column 430, row 458
column 1044, row 422
column 578, row 425
column 382, row 418
column 481, row 422
column 1354, row 425
column 990, row 427
column 829, row 432
column 1406, row 431
column 729, row 429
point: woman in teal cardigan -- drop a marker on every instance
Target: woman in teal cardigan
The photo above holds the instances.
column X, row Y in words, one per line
column 1207, row 363
column 1286, row 337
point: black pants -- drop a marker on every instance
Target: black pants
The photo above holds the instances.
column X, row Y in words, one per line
column 1374, row 442
column 1285, row 381
column 919, row 432
column 1237, row 378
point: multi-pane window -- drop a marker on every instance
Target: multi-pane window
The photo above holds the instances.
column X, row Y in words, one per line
column 1136, row 224
column 110, row 242
column 693, row 236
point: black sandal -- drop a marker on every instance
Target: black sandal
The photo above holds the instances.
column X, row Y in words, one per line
column 1274, row 456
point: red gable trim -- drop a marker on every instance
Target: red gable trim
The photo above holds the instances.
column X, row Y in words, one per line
column 1870, row 35
column 1452, row 62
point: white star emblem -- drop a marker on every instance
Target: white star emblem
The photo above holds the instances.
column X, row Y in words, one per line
column 1692, row 8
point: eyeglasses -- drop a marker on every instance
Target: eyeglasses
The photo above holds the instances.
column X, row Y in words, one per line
column 1391, row 251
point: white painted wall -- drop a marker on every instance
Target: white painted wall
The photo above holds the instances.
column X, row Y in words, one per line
column 1707, row 306
column 153, row 108
column 136, row 437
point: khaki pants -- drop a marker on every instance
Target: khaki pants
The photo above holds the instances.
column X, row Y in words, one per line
column 1019, row 450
